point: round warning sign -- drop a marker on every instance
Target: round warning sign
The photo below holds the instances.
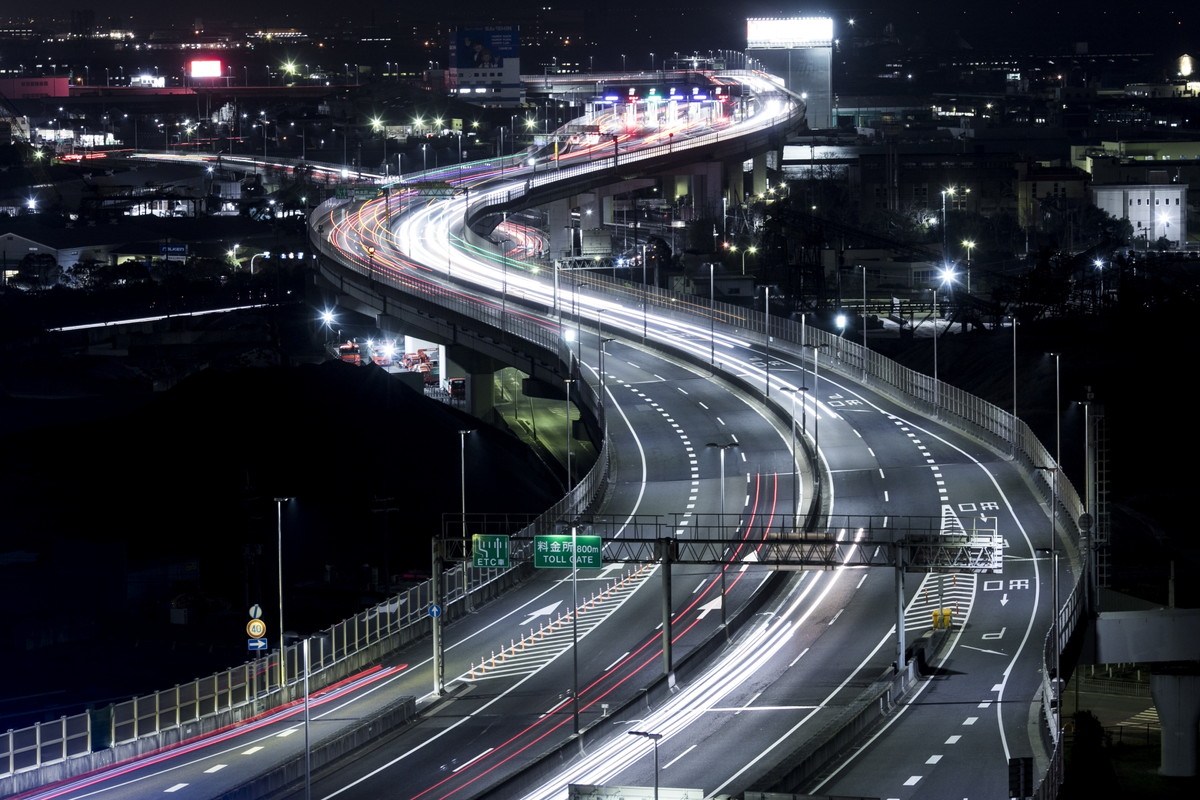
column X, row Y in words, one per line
column 255, row 628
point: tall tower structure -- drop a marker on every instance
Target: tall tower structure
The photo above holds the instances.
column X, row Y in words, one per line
column 799, row 50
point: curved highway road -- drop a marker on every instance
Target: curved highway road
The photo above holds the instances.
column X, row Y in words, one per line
column 804, row 657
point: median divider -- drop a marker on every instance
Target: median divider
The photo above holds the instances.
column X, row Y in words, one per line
column 327, row 752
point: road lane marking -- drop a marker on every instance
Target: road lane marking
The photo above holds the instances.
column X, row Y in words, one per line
column 681, row 755
column 473, row 760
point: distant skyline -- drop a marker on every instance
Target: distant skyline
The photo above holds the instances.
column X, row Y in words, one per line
column 1153, row 25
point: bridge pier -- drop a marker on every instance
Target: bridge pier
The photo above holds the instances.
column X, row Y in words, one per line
column 1177, row 698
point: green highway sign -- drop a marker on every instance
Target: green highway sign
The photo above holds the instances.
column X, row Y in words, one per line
column 554, row 552
column 356, row 192
column 489, row 551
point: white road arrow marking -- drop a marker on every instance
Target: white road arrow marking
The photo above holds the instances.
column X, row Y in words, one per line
column 544, row 611
column 712, row 605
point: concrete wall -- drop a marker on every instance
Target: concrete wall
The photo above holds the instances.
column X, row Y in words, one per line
column 1165, row 634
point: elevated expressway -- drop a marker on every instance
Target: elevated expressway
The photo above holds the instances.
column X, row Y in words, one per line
column 756, row 678
column 890, row 445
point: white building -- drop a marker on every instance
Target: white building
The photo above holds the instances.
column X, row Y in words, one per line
column 1154, row 210
column 485, row 66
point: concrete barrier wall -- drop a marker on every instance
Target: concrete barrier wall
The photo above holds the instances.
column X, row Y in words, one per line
column 326, row 752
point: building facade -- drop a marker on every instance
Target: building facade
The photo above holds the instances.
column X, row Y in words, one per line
column 1156, row 211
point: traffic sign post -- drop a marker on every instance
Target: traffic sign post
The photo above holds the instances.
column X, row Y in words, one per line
column 554, row 552
column 256, row 629
column 489, row 550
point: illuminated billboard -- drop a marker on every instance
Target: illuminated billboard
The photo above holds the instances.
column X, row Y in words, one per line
column 206, row 69
column 791, row 32
column 485, row 47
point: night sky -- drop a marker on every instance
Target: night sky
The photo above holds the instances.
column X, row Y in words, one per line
column 625, row 24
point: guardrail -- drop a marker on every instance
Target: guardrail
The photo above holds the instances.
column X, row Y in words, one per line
column 347, row 646
column 999, row 429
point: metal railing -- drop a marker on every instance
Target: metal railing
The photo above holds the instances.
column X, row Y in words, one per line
column 352, row 643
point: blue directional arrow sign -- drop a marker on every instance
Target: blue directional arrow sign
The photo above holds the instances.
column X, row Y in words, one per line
column 435, row 611
column 256, row 644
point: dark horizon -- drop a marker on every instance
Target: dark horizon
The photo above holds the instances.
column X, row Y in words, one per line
column 1155, row 26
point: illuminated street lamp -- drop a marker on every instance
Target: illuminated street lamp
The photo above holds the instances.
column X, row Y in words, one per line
column 751, row 250
column 947, row 278
column 969, row 245
column 948, row 192
column 264, row 254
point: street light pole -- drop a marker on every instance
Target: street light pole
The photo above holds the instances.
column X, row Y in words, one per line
column 767, row 315
column 568, row 382
column 816, row 409
column 575, row 625
column 654, row 737
column 462, row 464
column 279, row 501
column 969, row 245
column 864, row 316
column 645, row 299
column 722, row 448
column 712, row 315
column 795, row 461
column 936, row 389
column 504, row 284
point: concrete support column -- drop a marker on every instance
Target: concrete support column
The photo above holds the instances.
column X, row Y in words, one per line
column 1177, row 698
column 735, row 182
column 759, row 174
column 558, row 215
column 480, row 372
